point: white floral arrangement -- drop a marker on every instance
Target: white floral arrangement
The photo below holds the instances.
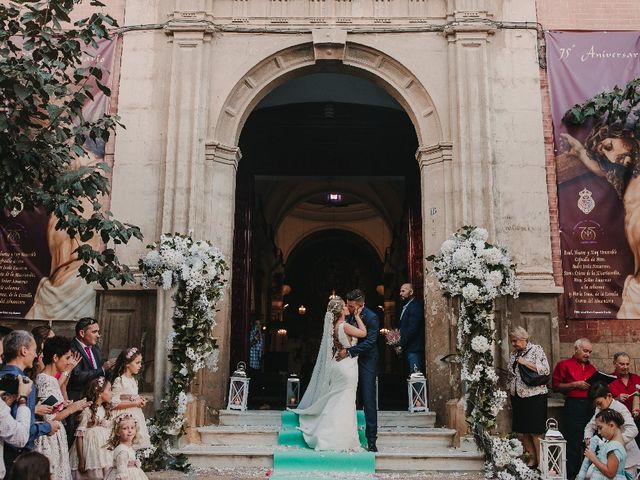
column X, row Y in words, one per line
column 195, row 270
column 471, row 269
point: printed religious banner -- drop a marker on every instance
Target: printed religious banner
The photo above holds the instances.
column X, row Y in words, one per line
column 38, row 270
column 593, row 80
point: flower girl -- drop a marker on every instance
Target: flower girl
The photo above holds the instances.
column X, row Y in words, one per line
column 610, row 459
column 90, row 458
column 123, row 438
column 125, row 392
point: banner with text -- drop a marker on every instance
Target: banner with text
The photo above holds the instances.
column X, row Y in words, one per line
column 597, row 168
column 38, row 270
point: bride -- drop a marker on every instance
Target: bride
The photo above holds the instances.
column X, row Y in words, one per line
column 327, row 411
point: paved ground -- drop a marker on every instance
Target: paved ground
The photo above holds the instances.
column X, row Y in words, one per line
column 254, row 474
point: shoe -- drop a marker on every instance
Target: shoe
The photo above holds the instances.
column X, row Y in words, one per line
column 372, row 447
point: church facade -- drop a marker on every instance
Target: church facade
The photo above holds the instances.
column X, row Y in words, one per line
column 327, row 145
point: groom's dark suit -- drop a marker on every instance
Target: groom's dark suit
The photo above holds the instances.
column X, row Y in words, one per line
column 84, row 372
column 367, row 352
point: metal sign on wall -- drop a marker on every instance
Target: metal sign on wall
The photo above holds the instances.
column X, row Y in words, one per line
column 596, row 167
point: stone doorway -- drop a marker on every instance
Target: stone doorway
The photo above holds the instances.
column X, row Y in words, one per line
column 327, row 200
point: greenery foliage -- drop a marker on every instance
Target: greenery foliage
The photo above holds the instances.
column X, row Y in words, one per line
column 620, row 106
column 43, row 135
column 196, row 270
column 476, row 272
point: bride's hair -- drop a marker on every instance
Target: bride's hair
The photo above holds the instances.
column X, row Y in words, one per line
column 335, row 307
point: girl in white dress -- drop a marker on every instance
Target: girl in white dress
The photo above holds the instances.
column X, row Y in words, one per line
column 90, row 457
column 122, row 441
column 125, row 398
column 328, row 409
column 57, row 357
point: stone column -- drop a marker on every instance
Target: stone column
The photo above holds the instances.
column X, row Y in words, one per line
column 470, row 102
column 184, row 159
column 438, row 195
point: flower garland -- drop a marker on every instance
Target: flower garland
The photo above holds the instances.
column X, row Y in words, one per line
column 477, row 272
column 197, row 269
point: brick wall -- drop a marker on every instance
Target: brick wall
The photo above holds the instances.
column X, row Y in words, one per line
column 608, row 336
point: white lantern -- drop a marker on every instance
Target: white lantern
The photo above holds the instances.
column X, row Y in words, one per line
column 553, row 453
column 417, row 392
column 239, row 388
column 293, row 391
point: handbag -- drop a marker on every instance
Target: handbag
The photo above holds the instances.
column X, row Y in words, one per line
column 529, row 377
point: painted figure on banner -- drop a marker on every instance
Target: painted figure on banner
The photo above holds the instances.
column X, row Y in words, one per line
column 611, row 152
column 44, row 282
column 595, row 104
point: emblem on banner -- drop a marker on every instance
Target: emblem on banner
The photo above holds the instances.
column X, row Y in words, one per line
column 586, row 203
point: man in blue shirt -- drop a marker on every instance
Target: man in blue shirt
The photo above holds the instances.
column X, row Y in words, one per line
column 19, row 355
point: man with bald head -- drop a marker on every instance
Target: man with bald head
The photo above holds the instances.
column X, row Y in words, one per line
column 570, row 377
column 412, row 329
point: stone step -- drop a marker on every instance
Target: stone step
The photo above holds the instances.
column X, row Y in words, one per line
column 268, row 435
column 396, row 459
column 272, row 417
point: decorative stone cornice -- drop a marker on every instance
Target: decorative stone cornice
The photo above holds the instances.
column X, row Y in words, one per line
column 432, row 154
column 189, row 21
column 223, row 154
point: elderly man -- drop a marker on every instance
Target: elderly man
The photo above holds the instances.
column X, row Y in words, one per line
column 627, row 384
column 412, row 329
column 14, row 431
column 19, row 354
column 570, row 377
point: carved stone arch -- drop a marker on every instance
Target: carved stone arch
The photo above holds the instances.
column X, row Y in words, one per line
column 360, row 60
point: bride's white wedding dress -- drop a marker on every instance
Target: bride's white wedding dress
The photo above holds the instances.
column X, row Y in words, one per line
column 330, row 423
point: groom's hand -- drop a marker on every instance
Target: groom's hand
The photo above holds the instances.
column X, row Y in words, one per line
column 342, row 354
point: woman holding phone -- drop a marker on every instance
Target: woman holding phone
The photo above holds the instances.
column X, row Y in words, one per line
column 57, row 357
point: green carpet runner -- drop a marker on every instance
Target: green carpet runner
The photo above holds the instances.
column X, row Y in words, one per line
column 293, row 459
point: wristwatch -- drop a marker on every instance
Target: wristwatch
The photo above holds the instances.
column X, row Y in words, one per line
column 21, row 398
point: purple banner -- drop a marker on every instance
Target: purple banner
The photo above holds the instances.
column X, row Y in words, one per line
column 597, row 222
column 38, row 271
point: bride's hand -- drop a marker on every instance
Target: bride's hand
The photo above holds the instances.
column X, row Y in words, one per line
column 341, row 355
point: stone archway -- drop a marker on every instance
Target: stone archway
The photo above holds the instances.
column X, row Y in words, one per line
column 222, row 154
column 360, row 60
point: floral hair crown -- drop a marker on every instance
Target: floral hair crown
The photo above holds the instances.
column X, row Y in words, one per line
column 100, row 382
column 130, row 353
column 125, row 416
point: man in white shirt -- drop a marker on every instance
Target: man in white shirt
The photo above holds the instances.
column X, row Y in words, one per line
column 14, row 431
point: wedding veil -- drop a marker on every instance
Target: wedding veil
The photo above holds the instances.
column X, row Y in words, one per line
column 321, row 371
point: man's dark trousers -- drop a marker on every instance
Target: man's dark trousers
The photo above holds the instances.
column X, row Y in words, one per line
column 577, row 413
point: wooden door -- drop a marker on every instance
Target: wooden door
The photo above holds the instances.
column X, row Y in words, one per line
column 128, row 319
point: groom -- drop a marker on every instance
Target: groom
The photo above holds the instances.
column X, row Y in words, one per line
column 367, row 353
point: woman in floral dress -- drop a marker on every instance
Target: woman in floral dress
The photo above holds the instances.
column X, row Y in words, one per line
column 57, row 357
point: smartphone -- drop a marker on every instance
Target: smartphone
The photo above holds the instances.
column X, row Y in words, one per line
column 50, row 401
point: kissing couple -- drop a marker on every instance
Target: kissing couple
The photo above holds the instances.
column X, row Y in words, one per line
column 348, row 358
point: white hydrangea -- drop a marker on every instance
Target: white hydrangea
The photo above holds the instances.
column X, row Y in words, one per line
column 448, row 246
column 182, row 403
column 480, row 344
column 153, row 259
column 212, row 360
column 170, row 339
column 480, row 234
column 471, row 292
column 462, row 256
column 492, row 255
column 167, row 279
column 495, row 278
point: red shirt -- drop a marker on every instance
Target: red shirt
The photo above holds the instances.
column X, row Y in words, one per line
column 570, row 370
column 617, row 387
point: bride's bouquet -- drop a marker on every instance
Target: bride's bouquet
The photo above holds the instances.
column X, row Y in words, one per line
column 393, row 339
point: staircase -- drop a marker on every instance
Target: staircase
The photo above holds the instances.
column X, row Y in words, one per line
column 406, row 442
